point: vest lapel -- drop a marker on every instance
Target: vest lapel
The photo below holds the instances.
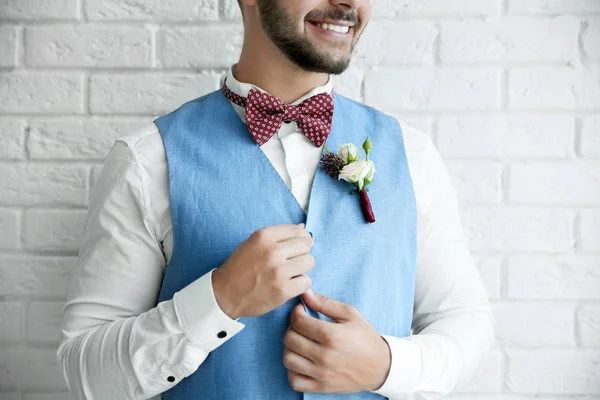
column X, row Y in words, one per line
column 318, row 189
column 322, row 183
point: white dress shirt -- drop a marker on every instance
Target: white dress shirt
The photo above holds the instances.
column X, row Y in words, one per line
column 116, row 343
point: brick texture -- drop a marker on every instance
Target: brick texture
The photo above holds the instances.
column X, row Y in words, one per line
column 509, row 91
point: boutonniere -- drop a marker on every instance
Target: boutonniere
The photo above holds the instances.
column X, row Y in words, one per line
column 347, row 166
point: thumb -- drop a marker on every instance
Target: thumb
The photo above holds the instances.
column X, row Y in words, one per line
column 334, row 309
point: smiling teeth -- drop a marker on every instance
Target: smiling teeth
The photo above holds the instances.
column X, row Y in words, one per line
column 335, row 28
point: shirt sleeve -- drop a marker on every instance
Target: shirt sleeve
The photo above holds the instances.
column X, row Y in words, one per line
column 116, row 342
column 453, row 326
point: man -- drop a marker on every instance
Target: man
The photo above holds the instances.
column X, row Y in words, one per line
column 220, row 262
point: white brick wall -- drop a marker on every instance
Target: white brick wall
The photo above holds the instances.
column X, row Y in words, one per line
column 508, row 89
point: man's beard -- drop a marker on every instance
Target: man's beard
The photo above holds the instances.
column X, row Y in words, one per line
column 298, row 49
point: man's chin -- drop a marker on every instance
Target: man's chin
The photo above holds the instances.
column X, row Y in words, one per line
column 333, row 58
column 336, row 65
column 321, row 61
column 328, row 68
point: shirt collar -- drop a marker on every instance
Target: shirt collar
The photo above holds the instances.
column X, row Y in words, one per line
column 242, row 89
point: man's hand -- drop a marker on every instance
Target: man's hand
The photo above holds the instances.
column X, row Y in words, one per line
column 264, row 271
column 343, row 357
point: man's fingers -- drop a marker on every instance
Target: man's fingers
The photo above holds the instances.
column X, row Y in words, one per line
column 295, row 362
column 302, row 345
column 284, row 232
column 334, row 309
column 303, row 383
column 315, row 329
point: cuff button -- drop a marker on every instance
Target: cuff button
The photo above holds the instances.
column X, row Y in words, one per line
column 221, row 334
column 171, row 379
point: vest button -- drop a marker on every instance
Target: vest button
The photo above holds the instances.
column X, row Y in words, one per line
column 171, row 379
column 221, row 334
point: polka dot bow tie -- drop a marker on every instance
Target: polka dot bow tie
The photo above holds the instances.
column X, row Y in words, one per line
column 265, row 113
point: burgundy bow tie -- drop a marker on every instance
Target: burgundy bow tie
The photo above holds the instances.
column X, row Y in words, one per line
column 265, row 113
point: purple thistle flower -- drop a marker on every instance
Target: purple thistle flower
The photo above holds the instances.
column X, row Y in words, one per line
column 331, row 164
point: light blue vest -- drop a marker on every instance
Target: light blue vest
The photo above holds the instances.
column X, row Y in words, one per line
column 223, row 188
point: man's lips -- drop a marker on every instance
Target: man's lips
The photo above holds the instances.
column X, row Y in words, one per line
column 333, row 22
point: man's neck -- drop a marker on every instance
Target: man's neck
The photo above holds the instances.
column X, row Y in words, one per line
column 276, row 75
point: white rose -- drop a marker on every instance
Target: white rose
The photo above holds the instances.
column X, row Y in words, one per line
column 348, row 152
column 357, row 171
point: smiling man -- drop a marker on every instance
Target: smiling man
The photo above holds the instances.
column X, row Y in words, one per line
column 219, row 262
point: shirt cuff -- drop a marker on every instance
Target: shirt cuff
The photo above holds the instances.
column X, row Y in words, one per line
column 405, row 369
column 203, row 321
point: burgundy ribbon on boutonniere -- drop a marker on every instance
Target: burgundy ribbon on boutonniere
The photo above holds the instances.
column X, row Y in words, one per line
column 347, row 166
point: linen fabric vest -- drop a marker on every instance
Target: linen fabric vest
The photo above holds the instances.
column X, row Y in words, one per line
column 223, row 188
